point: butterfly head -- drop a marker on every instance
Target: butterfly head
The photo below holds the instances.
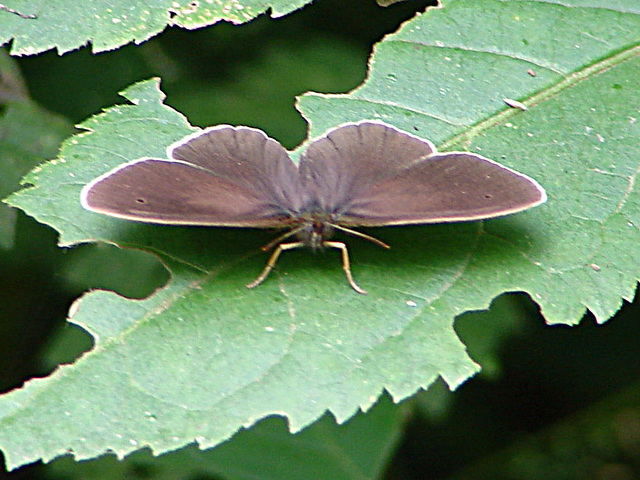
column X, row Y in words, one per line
column 314, row 230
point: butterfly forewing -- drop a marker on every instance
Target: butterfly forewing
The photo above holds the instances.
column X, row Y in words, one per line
column 223, row 176
column 370, row 174
column 448, row 187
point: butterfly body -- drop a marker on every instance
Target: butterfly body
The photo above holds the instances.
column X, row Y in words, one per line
column 314, row 231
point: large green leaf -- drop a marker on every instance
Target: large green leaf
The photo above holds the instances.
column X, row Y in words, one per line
column 359, row 449
column 205, row 356
column 68, row 24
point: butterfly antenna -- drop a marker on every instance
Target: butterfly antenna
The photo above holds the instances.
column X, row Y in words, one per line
column 355, row 233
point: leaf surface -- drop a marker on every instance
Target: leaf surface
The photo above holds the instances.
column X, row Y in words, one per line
column 67, row 24
column 359, row 449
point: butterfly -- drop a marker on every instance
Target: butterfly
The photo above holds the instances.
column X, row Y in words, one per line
column 364, row 174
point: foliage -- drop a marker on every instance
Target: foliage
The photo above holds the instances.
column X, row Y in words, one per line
column 204, row 357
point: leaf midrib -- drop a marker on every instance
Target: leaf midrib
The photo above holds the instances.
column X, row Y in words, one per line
column 569, row 81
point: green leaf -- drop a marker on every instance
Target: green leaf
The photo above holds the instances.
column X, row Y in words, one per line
column 446, row 76
column 358, row 449
column 205, row 356
column 68, row 24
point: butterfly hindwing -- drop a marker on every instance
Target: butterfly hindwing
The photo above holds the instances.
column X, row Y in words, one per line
column 224, row 176
column 371, row 174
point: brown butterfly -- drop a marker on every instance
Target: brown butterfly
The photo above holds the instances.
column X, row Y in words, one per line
column 365, row 174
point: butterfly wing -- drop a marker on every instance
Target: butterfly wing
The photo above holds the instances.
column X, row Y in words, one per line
column 397, row 186
column 221, row 176
column 447, row 187
column 351, row 159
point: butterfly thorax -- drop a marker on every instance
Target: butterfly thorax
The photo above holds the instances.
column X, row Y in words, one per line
column 314, row 230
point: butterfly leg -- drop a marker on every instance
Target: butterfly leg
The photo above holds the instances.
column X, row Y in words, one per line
column 15, row 12
column 346, row 266
column 272, row 261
